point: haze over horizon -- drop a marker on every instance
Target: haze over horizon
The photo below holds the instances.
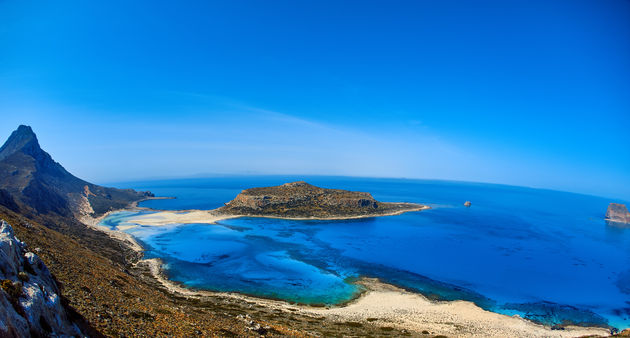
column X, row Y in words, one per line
column 530, row 93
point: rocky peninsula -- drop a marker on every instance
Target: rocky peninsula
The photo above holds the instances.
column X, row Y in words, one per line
column 300, row 200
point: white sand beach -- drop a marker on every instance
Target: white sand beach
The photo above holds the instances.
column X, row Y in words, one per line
column 179, row 217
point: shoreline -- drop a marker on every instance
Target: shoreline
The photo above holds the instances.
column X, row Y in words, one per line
column 379, row 303
column 124, row 238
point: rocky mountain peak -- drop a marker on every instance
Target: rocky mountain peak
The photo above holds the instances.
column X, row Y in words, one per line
column 23, row 152
column 25, row 130
column 31, row 179
column 23, row 139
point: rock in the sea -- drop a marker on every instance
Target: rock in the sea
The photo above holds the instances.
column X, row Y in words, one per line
column 30, row 299
column 467, row 204
column 618, row 213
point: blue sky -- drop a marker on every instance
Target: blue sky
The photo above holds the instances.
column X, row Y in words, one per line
column 533, row 93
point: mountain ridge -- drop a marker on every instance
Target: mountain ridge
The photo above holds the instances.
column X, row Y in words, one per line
column 31, row 179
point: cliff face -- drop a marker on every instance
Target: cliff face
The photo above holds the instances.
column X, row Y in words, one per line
column 303, row 200
column 31, row 180
column 618, row 213
column 30, row 299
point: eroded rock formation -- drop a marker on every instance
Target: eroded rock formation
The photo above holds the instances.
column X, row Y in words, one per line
column 30, row 299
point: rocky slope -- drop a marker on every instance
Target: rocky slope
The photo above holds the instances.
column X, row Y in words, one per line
column 618, row 213
column 30, row 298
column 31, row 181
column 303, row 200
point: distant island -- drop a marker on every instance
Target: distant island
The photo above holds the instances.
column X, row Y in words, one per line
column 303, row 200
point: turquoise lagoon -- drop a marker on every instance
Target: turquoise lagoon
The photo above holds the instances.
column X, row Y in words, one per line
column 546, row 255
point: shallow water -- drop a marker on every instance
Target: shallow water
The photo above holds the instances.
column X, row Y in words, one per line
column 545, row 255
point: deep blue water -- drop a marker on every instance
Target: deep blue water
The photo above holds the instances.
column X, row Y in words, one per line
column 543, row 254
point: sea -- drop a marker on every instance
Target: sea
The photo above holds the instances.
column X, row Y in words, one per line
column 545, row 255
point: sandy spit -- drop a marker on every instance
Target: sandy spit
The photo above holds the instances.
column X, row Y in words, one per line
column 160, row 218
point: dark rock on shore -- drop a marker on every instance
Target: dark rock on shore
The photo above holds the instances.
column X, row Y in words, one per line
column 303, row 200
column 618, row 213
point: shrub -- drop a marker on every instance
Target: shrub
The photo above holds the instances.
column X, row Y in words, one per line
column 14, row 290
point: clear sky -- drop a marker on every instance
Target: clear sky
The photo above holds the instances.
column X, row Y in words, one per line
column 533, row 93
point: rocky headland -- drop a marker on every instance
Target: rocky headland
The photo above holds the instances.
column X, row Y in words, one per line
column 302, row 200
column 617, row 213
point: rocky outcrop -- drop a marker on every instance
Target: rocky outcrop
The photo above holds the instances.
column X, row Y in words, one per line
column 30, row 299
column 303, row 200
column 618, row 213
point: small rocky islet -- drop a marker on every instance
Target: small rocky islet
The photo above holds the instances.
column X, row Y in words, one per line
column 617, row 213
